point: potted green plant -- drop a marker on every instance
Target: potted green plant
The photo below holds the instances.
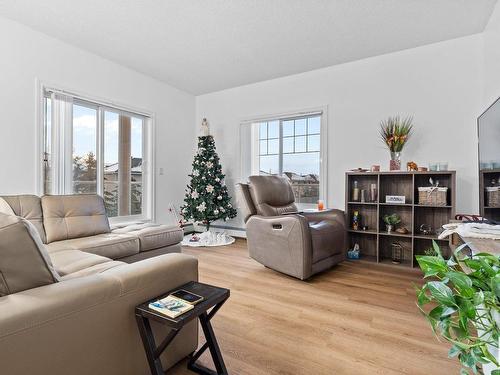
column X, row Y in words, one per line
column 395, row 132
column 391, row 221
column 461, row 300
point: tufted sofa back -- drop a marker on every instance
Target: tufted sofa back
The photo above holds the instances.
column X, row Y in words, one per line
column 73, row 216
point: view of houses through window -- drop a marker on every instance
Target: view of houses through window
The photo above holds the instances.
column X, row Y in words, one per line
column 291, row 148
column 94, row 143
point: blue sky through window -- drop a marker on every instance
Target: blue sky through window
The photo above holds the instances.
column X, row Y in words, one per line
column 84, row 134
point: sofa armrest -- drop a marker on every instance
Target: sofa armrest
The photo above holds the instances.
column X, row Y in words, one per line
column 282, row 243
column 92, row 315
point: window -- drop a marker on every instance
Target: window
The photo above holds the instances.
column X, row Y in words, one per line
column 93, row 148
column 291, row 147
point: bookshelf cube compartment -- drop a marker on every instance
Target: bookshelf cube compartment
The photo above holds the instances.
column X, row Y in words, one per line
column 434, row 217
column 367, row 244
column 386, row 250
column 486, row 179
column 422, row 245
column 396, row 184
column 444, row 179
column 364, row 182
column 368, row 215
column 404, row 212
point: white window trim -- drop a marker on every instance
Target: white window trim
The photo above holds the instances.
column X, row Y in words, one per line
column 323, row 159
column 148, row 139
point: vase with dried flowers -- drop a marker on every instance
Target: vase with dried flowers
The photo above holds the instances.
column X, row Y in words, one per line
column 395, row 132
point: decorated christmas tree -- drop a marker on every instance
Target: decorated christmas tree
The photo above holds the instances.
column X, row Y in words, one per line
column 207, row 198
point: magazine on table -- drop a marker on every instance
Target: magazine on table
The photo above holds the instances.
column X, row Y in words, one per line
column 177, row 303
column 171, row 306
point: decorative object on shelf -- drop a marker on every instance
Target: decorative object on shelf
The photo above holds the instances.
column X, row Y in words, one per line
column 364, row 227
column 321, row 205
column 411, row 166
column 391, row 221
column 207, row 239
column 433, row 167
column 359, row 170
column 489, row 197
column 207, row 198
column 395, row 132
column 363, row 194
column 356, row 219
column 402, row 230
column 485, row 165
column 442, row 166
column 433, row 195
column 425, row 229
column 354, row 253
column 395, row 199
column 463, row 294
column 355, row 192
column 422, row 169
column 375, row 168
column 493, row 196
column 396, row 252
column 373, row 193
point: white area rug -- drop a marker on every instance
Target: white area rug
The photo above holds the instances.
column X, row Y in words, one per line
column 207, row 239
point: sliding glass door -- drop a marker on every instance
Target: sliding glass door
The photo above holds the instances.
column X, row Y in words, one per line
column 89, row 149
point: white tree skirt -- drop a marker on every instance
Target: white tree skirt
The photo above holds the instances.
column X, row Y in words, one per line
column 207, row 239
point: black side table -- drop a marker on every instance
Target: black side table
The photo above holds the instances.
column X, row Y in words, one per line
column 214, row 298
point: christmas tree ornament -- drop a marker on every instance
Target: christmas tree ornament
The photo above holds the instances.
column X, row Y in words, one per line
column 205, row 130
column 207, row 198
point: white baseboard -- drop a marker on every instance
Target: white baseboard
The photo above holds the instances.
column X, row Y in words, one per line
column 232, row 231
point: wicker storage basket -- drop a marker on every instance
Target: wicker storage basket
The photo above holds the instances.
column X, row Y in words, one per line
column 493, row 196
column 432, row 196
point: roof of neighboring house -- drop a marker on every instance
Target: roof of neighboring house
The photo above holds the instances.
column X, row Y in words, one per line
column 306, row 178
column 297, row 178
column 136, row 167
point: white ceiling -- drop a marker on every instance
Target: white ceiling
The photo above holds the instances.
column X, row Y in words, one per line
column 202, row 46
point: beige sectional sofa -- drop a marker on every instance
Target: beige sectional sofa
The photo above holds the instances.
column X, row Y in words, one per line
column 67, row 292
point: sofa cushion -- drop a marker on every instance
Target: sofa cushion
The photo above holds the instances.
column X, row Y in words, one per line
column 5, row 208
column 110, row 245
column 70, row 261
column 30, row 208
column 24, row 262
column 153, row 236
column 73, row 216
column 98, row 268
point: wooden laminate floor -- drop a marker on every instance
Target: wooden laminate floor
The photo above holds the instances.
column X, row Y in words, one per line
column 358, row 318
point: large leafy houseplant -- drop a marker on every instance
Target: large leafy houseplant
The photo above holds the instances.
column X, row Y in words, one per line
column 460, row 299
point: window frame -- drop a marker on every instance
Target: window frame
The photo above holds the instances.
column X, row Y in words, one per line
column 322, row 112
column 148, row 145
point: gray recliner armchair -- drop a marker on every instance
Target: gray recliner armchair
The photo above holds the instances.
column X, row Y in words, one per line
column 299, row 244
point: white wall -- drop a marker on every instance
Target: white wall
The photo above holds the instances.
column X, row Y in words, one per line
column 491, row 37
column 439, row 84
column 28, row 55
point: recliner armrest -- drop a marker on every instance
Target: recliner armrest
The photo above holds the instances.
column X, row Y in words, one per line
column 331, row 214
